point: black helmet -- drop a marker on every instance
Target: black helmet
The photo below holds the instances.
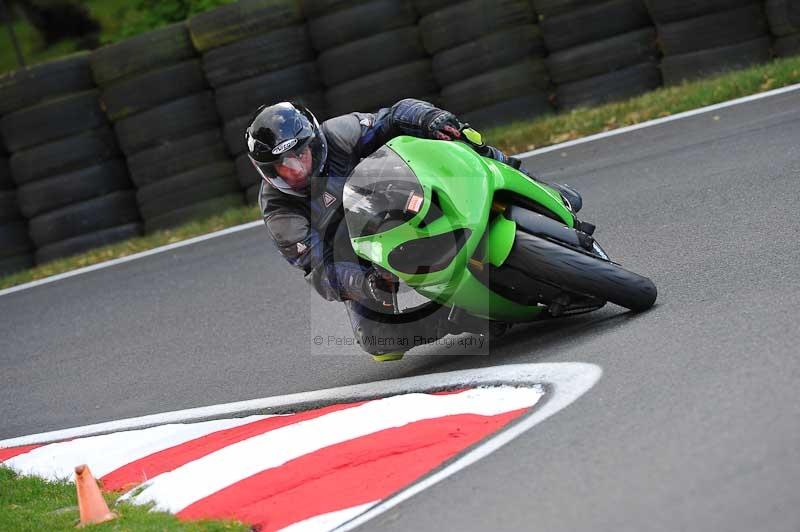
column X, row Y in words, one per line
column 286, row 145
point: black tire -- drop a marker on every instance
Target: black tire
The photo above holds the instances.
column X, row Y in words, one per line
column 175, row 157
column 526, row 107
column 381, row 88
column 695, row 65
column 234, row 134
column 665, row 11
column 549, row 8
column 185, row 189
column 141, row 53
column 143, row 92
column 184, row 215
column 167, row 122
column 603, row 56
column 317, row 8
column 490, row 52
column 117, row 208
column 787, row 46
column 425, row 7
column 65, row 155
column 593, row 23
column 198, row 193
column 82, row 243
column 365, row 56
column 496, row 86
column 780, row 22
column 240, row 20
column 32, row 85
column 359, row 22
column 257, row 55
column 724, row 28
column 14, row 239
column 793, row 8
column 467, row 21
column 246, row 172
column 605, row 88
column 245, row 97
column 52, row 120
column 251, row 194
column 6, row 181
column 58, row 191
column 581, row 273
column 15, row 264
column 9, row 209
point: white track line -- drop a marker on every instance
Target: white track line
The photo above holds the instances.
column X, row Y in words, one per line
column 522, row 374
column 328, row 521
column 659, row 121
column 111, row 451
column 566, row 386
column 177, row 489
column 538, row 151
column 565, row 382
column 129, row 258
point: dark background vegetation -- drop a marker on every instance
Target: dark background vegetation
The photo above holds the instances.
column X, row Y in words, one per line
column 51, row 28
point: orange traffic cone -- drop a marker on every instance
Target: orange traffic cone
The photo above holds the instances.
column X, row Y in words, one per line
column 91, row 504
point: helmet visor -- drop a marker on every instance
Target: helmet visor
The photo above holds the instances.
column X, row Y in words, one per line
column 291, row 170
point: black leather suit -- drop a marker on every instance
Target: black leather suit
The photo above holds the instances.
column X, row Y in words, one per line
column 311, row 235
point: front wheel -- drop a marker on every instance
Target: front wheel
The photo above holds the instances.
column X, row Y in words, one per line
column 581, row 273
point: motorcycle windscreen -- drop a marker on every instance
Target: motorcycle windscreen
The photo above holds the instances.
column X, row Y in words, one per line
column 381, row 194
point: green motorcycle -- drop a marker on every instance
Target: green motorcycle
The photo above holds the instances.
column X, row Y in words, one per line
column 479, row 236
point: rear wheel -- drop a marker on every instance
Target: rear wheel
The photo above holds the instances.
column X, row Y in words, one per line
column 581, row 273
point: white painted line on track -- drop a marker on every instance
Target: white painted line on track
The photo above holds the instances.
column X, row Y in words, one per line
column 659, row 121
column 111, row 451
column 329, row 521
column 538, row 151
column 561, row 383
column 174, row 491
column 129, row 258
column 510, row 374
column 566, row 385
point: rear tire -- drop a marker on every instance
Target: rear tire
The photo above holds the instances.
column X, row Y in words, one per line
column 574, row 271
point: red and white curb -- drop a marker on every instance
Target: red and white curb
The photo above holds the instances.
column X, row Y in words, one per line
column 343, row 457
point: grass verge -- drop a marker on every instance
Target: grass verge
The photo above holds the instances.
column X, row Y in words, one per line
column 524, row 136
column 514, row 138
column 28, row 503
column 203, row 226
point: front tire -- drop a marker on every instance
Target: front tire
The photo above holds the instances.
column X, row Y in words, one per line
column 581, row 273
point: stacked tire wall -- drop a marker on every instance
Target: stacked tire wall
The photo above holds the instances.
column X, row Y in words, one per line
column 15, row 247
column 72, row 184
column 370, row 53
column 704, row 38
column 152, row 128
column 255, row 52
column 784, row 23
column 154, row 91
column 487, row 56
column 599, row 51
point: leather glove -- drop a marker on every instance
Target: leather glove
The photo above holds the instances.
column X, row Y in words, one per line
column 380, row 287
column 443, row 125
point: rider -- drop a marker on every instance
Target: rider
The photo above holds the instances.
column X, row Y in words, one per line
column 304, row 166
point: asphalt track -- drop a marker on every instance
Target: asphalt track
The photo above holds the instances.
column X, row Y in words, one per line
column 695, row 424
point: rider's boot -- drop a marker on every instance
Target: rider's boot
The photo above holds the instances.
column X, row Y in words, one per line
column 389, row 357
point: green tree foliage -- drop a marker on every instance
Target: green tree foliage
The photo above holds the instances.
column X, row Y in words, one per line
column 145, row 15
